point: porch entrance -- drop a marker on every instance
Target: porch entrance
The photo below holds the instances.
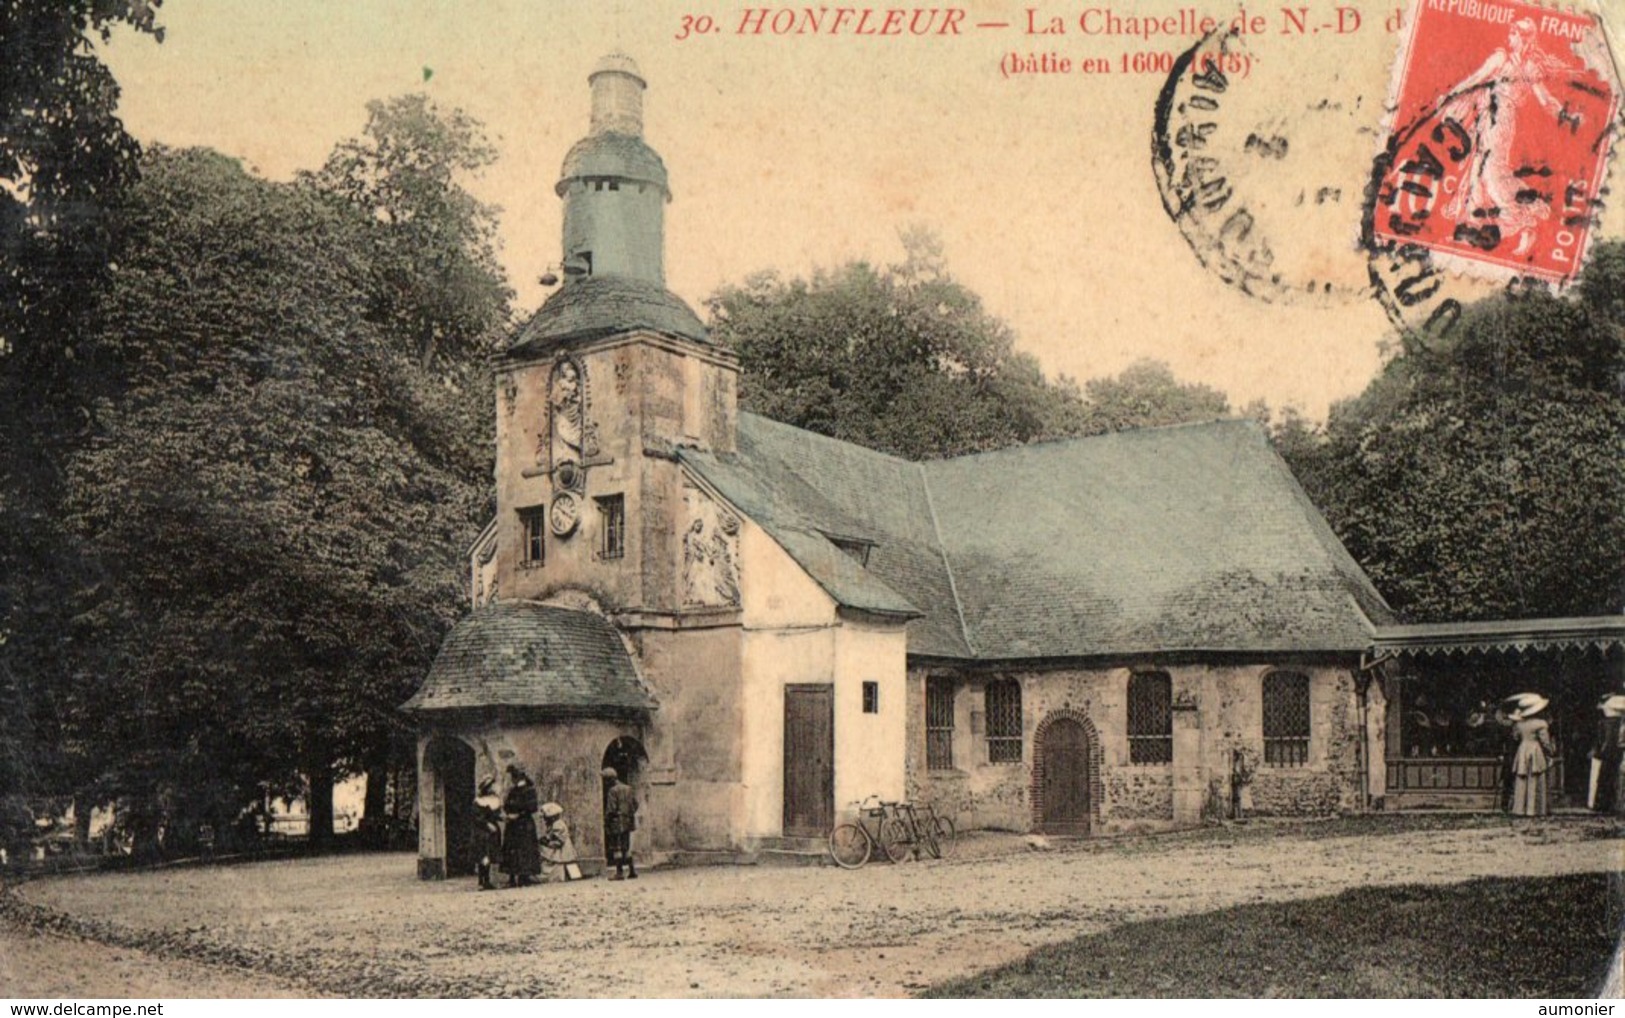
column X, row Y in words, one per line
column 451, row 762
column 1442, row 683
column 809, row 760
column 1064, row 778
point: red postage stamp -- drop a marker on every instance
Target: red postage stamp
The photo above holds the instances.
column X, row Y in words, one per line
column 1503, row 114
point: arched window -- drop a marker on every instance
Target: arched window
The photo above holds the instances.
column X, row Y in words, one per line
column 1286, row 719
column 1150, row 718
column 1003, row 703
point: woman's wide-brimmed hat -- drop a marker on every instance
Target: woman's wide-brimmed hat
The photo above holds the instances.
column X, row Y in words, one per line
column 609, row 772
column 1525, row 705
column 552, row 811
column 1613, row 706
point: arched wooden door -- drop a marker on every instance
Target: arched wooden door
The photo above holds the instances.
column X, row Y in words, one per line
column 1064, row 778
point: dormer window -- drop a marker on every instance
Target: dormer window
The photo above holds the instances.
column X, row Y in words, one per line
column 857, row 548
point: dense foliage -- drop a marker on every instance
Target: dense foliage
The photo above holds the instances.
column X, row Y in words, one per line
column 906, row 359
column 284, row 451
column 64, row 157
column 1483, row 479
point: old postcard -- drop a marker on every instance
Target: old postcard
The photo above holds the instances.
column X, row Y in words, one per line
column 814, row 500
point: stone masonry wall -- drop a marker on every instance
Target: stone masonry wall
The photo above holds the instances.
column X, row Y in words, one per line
column 1221, row 710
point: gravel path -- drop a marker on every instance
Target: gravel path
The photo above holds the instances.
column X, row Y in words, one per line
column 363, row 925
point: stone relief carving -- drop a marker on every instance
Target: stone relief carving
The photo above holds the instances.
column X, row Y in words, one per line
column 569, row 429
column 710, row 552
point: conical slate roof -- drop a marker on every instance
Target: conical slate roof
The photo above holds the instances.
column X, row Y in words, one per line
column 605, row 305
column 527, row 655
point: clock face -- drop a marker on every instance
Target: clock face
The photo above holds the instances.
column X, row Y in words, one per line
column 564, row 515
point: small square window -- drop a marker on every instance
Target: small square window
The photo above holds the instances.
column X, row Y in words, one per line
column 871, row 698
column 612, row 526
column 532, row 523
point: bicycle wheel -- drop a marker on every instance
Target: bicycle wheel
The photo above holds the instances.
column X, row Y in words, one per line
column 895, row 839
column 946, row 834
column 849, row 846
column 929, row 845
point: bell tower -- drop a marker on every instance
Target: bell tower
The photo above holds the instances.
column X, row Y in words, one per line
column 600, row 388
column 614, row 185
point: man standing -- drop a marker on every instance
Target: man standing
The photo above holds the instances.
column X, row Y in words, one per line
column 1606, row 751
column 620, row 820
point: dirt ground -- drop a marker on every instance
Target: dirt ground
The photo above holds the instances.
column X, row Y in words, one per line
column 365, row 926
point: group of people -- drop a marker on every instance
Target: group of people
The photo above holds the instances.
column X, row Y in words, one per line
column 1533, row 754
column 505, row 832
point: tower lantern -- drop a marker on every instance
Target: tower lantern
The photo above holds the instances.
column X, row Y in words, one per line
column 614, row 185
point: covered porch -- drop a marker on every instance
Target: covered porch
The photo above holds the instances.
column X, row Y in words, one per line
column 1444, row 748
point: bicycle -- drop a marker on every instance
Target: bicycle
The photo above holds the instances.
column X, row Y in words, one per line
column 919, row 833
column 942, row 829
column 851, row 844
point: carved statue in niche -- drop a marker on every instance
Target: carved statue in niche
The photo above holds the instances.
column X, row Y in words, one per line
column 567, row 410
column 568, row 432
column 710, row 553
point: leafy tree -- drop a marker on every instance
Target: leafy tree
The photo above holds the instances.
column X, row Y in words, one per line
column 906, row 360
column 1482, row 479
column 64, row 155
column 281, row 491
column 439, row 282
column 437, row 285
column 902, row 359
column 1147, row 395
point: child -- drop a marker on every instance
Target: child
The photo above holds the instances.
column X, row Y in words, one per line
column 559, row 859
column 487, row 830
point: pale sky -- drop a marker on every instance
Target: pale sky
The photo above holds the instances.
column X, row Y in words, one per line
column 792, row 152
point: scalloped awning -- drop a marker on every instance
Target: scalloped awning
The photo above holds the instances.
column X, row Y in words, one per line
column 1599, row 632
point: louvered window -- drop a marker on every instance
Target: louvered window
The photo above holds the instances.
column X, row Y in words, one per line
column 939, row 724
column 1003, row 702
column 1150, row 718
column 1286, row 719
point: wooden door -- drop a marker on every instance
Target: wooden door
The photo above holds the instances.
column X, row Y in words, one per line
column 453, row 762
column 1065, row 783
column 809, row 761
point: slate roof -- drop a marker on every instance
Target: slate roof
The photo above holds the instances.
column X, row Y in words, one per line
column 1191, row 538
column 523, row 654
column 801, row 487
column 604, row 305
column 613, row 155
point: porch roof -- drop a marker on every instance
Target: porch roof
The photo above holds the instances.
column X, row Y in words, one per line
column 1599, row 631
column 534, row 656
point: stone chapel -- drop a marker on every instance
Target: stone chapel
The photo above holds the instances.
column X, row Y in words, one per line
column 758, row 625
